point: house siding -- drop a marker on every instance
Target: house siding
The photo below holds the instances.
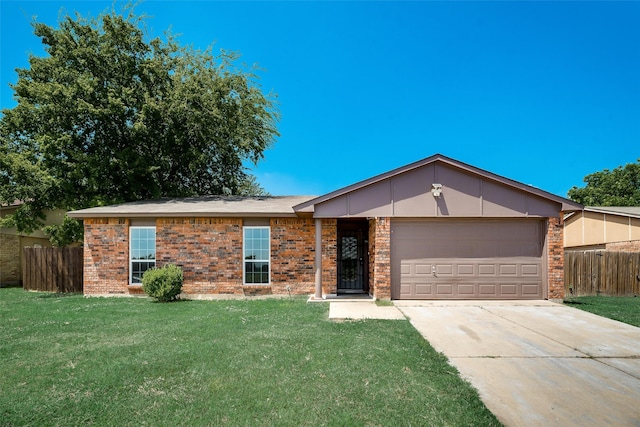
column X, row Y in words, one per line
column 10, row 272
column 292, row 256
column 329, row 256
column 106, row 256
column 209, row 251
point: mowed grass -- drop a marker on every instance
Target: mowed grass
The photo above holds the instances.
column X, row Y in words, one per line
column 623, row 309
column 70, row 360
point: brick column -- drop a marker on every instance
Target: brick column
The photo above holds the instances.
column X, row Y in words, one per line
column 555, row 259
column 382, row 259
column 329, row 256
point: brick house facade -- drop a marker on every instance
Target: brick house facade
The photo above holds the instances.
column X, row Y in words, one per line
column 269, row 245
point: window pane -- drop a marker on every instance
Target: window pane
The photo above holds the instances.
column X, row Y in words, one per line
column 142, row 251
column 256, row 247
column 256, row 272
column 138, row 269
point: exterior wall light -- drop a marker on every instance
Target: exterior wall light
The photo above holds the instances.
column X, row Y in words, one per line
column 436, row 190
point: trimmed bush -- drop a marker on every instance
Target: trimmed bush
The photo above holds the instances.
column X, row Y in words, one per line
column 163, row 284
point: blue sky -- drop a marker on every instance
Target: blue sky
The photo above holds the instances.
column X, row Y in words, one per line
column 540, row 92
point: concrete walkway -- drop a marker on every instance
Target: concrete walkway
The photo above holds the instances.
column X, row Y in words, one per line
column 538, row 363
column 357, row 310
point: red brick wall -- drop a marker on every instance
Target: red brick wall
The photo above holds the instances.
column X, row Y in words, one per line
column 209, row 251
column 293, row 256
column 106, row 256
column 382, row 259
column 555, row 260
column 630, row 246
column 329, row 256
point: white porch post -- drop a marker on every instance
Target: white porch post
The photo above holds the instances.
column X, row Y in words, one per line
column 318, row 294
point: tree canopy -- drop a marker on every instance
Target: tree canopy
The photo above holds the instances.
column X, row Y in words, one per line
column 617, row 187
column 109, row 116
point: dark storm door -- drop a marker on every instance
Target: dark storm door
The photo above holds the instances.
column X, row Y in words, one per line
column 351, row 262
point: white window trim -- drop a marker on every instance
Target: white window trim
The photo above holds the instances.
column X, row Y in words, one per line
column 244, row 261
column 131, row 260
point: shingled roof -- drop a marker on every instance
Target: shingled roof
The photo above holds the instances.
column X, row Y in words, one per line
column 205, row 206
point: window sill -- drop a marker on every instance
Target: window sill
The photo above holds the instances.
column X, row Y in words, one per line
column 256, row 289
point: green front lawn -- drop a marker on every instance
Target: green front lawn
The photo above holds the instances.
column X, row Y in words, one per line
column 69, row 360
column 624, row 309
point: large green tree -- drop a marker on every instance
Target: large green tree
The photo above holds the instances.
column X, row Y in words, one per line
column 617, row 187
column 109, row 115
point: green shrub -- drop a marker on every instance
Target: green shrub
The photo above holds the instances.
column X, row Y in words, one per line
column 164, row 284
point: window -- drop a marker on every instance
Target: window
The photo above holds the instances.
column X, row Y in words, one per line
column 142, row 252
column 256, row 248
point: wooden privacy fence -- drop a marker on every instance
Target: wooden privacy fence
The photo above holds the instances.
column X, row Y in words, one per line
column 601, row 273
column 52, row 269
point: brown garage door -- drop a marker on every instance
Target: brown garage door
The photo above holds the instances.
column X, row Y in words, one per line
column 467, row 259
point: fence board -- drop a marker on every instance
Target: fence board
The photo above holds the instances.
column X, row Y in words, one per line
column 602, row 273
column 52, row 269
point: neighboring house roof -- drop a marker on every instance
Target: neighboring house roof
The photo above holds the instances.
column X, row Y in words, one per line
column 631, row 211
column 205, row 206
column 567, row 205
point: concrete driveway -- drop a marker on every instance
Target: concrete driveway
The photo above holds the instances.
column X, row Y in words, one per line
column 538, row 363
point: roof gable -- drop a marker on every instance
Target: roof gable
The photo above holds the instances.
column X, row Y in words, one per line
column 467, row 191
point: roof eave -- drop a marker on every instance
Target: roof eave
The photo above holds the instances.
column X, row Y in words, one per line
column 80, row 214
column 595, row 209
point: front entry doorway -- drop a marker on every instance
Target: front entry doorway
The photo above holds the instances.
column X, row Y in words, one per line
column 353, row 257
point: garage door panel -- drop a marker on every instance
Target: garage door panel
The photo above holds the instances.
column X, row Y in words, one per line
column 406, row 289
column 444, row 270
column 467, row 259
column 487, row 290
column 422, row 269
column 532, row 289
column 509, row 290
column 466, row 289
column 444, row 289
column 423, row 289
column 486, row 269
column 508, row 269
column 466, row 270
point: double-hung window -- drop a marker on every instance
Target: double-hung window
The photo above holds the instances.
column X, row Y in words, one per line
column 256, row 255
column 142, row 252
